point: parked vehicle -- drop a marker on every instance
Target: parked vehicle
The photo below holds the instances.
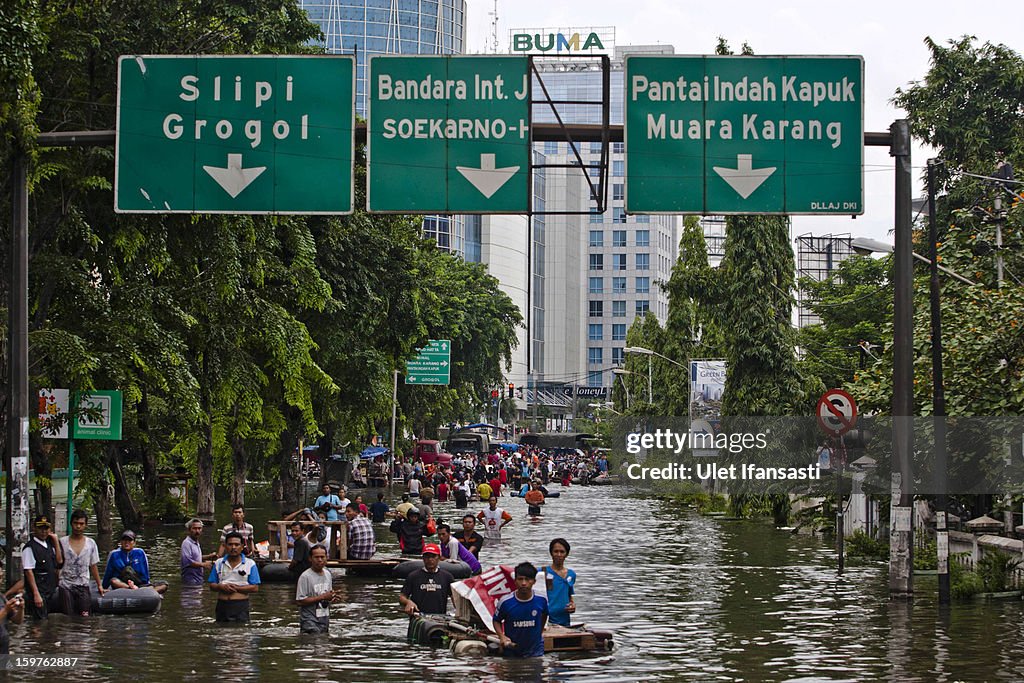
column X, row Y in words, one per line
column 469, row 442
column 431, row 453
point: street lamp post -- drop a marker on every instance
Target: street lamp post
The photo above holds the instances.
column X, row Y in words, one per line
column 648, row 352
column 644, row 352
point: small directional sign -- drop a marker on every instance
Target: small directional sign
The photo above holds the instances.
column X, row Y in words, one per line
column 432, row 365
column 837, row 412
column 250, row 134
column 448, row 134
column 744, row 135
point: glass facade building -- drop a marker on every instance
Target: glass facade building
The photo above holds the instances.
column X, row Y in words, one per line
column 407, row 27
column 625, row 255
column 388, row 27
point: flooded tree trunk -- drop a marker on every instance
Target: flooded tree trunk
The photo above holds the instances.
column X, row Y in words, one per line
column 101, row 505
column 131, row 515
column 204, row 475
column 150, row 478
column 43, row 466
column 286, row 471
column 204, row 457
column 241, row 462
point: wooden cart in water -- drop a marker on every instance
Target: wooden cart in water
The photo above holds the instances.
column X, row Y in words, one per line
column 467, row 634
column 336, row 543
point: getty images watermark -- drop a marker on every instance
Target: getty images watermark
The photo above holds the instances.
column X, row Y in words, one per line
column 702, row 446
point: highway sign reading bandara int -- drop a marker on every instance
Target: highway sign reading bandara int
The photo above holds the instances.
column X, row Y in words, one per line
column 744, row 135
column 448, row 134
column 235, row 134
column 432, row 365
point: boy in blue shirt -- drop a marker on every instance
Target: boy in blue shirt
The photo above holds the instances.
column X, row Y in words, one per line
column 520, row 617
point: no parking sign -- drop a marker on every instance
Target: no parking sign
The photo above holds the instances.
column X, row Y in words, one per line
column 837, row 412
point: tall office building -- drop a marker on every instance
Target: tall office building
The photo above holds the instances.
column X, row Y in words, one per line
column 602, row 269
column 408, row 27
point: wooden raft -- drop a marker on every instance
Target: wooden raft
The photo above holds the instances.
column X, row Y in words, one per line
column 337, row 548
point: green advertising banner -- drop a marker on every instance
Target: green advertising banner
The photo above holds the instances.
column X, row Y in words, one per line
column 103, row 421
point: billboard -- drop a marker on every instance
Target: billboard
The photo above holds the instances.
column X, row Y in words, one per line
column 707, row 384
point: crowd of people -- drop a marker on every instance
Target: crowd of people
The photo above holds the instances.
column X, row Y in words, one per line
column 58, row 572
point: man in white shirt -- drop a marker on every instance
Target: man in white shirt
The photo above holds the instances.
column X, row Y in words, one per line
column 81, row 557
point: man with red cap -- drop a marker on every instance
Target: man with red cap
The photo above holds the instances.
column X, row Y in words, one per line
column 429, row 589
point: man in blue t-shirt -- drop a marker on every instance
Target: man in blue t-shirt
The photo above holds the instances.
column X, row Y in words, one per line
column 329, row 504
column 520, row 617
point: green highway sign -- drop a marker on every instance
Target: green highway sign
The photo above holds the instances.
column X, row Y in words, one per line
column 245, row 134
column 448, row 134
column 104, row 422
column 432, row 365
column 744, row 135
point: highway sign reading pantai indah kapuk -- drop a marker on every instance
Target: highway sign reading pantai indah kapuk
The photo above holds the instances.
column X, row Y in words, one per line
column 744, row 135
column 235, row 134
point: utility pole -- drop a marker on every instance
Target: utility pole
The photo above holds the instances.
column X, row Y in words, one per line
column 901, row 525
column 938, row 396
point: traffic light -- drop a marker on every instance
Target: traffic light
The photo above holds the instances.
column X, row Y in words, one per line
column 511, row 390
column 494, row 393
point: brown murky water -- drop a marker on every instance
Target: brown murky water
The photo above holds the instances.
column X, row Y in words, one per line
column 687, row 597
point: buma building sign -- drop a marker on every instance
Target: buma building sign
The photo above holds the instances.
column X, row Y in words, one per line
column 740, row 135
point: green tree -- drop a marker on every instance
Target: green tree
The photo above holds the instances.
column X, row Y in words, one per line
column 967, row 106
column 692, row 328
column 854, row 304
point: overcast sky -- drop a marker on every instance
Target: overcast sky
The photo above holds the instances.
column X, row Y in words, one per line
column 889, row 35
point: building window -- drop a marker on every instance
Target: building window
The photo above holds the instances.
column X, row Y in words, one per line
column 618, row 191
column 643, row 261
column 597, row 285
column 618, row 168
column 594, row 379
column 618, row 215
column 596, row 216
column 595, row 147
column 618, row 309
column 643, row 238
column 618, row 285
column 643, row 285
column 618, row 238
column 597, row 309
column 597, row 261
column 643, row 218
column 551, row 147
column 642, row 306
column 597, row 238
column 595, row 355
column 618, row 332
column 618, row 148
column 618, row 356
column 618, row 261
column 595, row 332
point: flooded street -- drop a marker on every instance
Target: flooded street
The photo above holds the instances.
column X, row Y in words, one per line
column 688, row 597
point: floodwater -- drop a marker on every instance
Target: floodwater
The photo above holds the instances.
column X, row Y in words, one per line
column 688, row 597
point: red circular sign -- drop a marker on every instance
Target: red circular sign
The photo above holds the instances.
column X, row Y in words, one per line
column 837, row 412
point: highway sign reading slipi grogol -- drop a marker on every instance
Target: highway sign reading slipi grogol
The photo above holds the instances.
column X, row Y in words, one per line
column 432, row 365
column 448, row 134
column 744, row 135
column 236, row 134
